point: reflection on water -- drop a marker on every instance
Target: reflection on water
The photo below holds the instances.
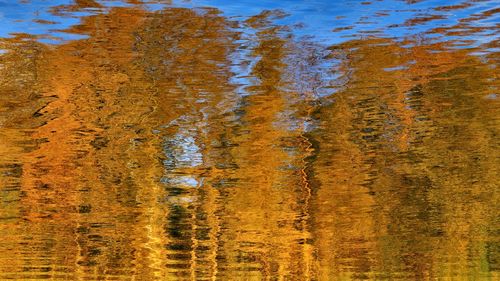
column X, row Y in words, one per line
column 213, row 140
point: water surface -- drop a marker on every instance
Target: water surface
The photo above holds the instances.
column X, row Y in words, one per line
column 249, row 140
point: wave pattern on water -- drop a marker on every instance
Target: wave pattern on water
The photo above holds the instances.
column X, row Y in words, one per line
column 262, row 140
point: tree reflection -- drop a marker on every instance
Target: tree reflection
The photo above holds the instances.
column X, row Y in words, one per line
column 181, row 144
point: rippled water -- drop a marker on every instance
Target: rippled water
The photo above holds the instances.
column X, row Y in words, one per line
column 249, row 140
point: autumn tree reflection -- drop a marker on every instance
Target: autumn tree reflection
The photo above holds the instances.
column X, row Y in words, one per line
column 184, row 145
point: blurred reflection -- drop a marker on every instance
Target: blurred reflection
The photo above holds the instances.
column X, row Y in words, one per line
column 180, row 142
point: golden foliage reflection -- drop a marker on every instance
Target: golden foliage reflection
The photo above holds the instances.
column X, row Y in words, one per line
column 142, row 153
